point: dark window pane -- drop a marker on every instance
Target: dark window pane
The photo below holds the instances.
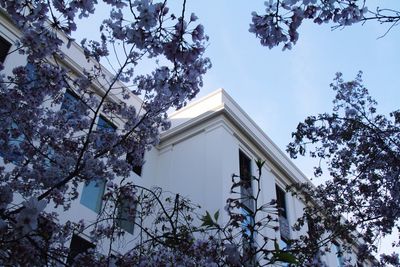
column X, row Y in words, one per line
column 4, row 48
column 31, row 73
column 281, row 201
column 69, row 101
column 245, row 166
column 126, row 215
column 78, row 245
column 131, row 160
column 104, row 125
column 245, row 178
column 246, row 192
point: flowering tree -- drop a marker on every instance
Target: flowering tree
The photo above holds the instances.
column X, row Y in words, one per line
column 58, row 129
column 361, row 150
column 282, row 18
column 360, row 146
column 58, row 125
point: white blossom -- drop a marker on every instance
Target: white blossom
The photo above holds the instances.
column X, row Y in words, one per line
column 27, row 218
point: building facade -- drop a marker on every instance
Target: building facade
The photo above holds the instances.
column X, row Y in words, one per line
column 213, row 138
column 209, row 140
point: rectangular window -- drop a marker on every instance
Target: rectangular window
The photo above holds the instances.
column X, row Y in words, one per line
column 135, row 168
column 246, row 189
column 103, row 125
column 78, row 246
column 4, row 48
column 284, row 226
column 281, row 201
column 31, row 74
column 126, row 215
column 92, row 193
column 70, row 100
column 246, row 194
column 73, row 106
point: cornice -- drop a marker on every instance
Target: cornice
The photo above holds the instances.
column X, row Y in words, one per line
column 243, row 125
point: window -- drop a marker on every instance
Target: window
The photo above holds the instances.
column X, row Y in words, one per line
column 78, row 246
column 69, row 101
column 92, row 193
column 103, row 125
column 281, row 201
column 126, row 215
column 313, row 230
column 31, row 74
column 73, row 106
column 4, row 48
column 282, row 212
column 246, row 189
column 246, row 194
column 130, row 158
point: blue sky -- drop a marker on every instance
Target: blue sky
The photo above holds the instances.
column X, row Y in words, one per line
column 278, row 88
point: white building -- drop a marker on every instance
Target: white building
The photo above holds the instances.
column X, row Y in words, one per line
column 206, row 144
column 197, row 156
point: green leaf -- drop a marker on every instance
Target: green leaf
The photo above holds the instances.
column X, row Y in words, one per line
column 276, row 246
column 216, row 215
column 285, row 257
column 207, row 220
column 260, row 163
